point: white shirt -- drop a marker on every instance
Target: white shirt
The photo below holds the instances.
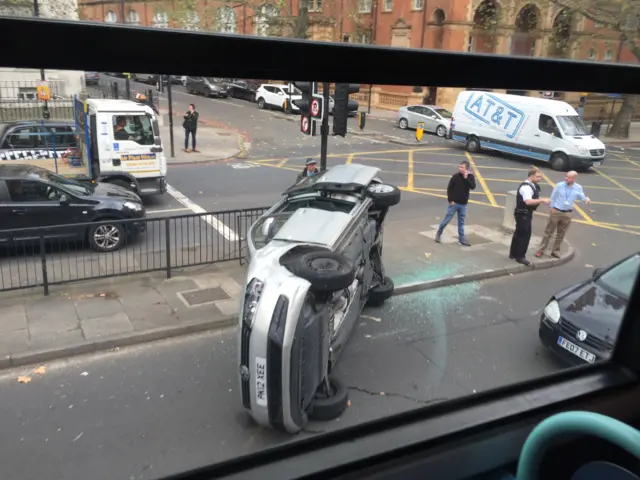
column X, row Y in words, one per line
column 526, row 190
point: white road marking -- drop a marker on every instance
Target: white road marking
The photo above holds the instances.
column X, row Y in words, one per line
column 368, row 139
column 225, row 231
column 167, row 210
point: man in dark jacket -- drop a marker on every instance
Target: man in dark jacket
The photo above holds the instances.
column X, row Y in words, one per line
column 458, row 196
column 310, row 170
column 190, row 125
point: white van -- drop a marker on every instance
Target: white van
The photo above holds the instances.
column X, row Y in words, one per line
column 536, row 128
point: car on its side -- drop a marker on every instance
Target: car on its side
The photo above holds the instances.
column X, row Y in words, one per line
column 208, row 86
column 32, row 197
column 278, row 96
column 435, row 119
column 580, row 323
column 315, row 262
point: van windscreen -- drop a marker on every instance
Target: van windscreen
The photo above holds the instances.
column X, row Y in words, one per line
column 572, row 125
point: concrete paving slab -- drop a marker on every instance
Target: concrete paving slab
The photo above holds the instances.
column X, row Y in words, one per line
column 14, row 340
column 106, row 326
column 12, row 318
column 97, row 307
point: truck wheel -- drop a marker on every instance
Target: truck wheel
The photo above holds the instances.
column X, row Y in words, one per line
column 329, row 405
column 261, row 103
column 326, row 271
column 473, row 144
column 122, row 183
column 380, row 293
column 106, row 237
column 560, row 162
column 403, row 124
column 383, row 195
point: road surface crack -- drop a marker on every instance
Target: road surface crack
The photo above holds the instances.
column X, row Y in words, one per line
column 397, row 395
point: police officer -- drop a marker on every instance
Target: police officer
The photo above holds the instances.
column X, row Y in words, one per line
column 527, row 201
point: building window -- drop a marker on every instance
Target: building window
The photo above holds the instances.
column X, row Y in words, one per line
column 598, row 24
column 111, row 17
column 161, row 20
column 263, row 22
column 364, row 37
column 418, row 4
column 226, row 20
column 608, row 55
column 133, row 18
column 315, row 5
column 27, row 93
column 592, row 54
column 387, row 5
column 364, row 6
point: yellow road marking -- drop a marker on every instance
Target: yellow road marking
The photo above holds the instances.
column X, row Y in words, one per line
column 614, row 204
column 480, row 178
column 444, row 190
column 282, row 163
column 586, row 217
column 617, row 183
column 619, row 168
column 476, row 202
column 350, row 158
column 410, row 171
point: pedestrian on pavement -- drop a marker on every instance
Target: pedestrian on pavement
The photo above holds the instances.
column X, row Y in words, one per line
column 310, row 169
column 563, row 197
column 190, row 125
column 458, row 190
column 527, row 201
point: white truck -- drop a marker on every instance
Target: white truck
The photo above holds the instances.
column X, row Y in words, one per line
column 536, row 128
column 109, row 141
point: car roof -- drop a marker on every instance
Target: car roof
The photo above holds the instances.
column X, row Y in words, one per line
column 19, row 170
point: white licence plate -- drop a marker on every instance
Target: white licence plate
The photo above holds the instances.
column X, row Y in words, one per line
column 596, row 164
column 576, row 350
column 261, row 381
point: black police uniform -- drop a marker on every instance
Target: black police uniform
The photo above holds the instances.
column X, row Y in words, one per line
column 523, row 215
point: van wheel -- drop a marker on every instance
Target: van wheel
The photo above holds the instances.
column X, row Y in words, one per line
column 403, row 124
column 559, row 161
column 473, row 144
column 261, row 103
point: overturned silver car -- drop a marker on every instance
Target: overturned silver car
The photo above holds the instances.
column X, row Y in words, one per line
column 315, row 262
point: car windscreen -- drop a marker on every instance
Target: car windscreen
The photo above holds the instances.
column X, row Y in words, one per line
column 620, row 278
column 67, row 183
column 267, row 227
column 572, row 125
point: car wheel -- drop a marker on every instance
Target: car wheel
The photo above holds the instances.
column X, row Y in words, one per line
column 123, row 184
column 383, row 195
column 329, row 405
column 106, row 237
column 403, row 123
column 473, row 144
column 380, row 293
column 326, row 271
column 441, row 131
column 261, row 103
column 559, row 161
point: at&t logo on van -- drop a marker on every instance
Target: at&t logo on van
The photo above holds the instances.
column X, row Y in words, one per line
column 495, row 112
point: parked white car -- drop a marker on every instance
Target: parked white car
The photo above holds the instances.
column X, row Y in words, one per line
column 435, row 119
column 274, row 96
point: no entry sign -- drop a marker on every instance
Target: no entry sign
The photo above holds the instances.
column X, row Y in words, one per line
column 307, row 125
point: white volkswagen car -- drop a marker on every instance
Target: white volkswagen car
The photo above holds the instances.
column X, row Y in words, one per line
column 315, row 262
column 274, row 96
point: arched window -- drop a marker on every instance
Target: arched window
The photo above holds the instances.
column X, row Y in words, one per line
column 161, row 20
column 524, row 38
column 561, row 35
column 133, row 18
column 192, row 20
column 111, row 17
column 226, row 20
column 483, row 37
column 264, row 19
column 593, row 55
column 438, row 19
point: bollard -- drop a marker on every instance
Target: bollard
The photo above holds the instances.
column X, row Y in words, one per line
column 508, row 221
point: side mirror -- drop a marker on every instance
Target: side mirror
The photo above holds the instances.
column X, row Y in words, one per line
column 597, row 272
column 157, row 141
column 64, row 200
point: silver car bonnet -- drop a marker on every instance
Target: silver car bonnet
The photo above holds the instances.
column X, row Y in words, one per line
column 313, row 226
column 348, row 174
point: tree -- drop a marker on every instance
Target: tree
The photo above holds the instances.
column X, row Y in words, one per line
column 622, row 17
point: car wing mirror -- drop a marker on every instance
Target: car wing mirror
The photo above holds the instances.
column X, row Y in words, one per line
column 597, row 272
column 64, row 200
column 269, row 228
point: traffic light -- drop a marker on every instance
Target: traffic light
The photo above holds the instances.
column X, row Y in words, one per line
column 341, row 106
column 305, row 102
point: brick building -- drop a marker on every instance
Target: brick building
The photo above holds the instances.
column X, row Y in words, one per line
column 536, row 28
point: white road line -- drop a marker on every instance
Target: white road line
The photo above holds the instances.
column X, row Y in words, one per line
column 222, row 229
column 167, row 210
column 368, row 139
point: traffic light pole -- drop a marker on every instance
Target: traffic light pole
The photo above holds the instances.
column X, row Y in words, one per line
column 324, row 130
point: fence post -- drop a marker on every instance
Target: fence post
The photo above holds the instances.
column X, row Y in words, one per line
column 43, row 261
column 238, row 226
column 167, row 244
column 150, row 96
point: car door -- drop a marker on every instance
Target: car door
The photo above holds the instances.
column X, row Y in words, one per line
column 413, row 116
column 135, row 148
column 9, row 219
column 270, row 95
column 20, row 142
column 545, row 140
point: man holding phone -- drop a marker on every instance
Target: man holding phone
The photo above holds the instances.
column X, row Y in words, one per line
column 458, row 191
column 190, row 126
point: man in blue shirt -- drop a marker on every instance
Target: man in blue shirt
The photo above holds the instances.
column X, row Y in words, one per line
column 563, row 199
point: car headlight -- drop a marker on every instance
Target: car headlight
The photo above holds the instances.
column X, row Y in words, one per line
column 136, row 207
column 582, row 150
column 251, row 298
column 552, row 311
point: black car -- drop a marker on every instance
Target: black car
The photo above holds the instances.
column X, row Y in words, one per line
column 34, row 197
column 49, row 135
column 208, row 86
column 244, row 89
column 580, row 323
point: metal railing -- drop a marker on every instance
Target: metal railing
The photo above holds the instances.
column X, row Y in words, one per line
column 108, row 87
column 42, row 256
column 19, row 101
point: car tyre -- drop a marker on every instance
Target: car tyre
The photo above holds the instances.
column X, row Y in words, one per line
column 560, row 162
column 383, row 195
column 329, row 407
column 441, row 131
column 473, row 144
column 261, row 103
column 326, row 271
column 403, row 124
column 380, row 293
column 106, row 237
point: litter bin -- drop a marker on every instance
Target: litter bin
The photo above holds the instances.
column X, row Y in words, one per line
column 595, row 128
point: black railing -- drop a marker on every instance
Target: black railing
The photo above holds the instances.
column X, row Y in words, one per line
column 109, row 87
column 19, row 101
column 45, row 256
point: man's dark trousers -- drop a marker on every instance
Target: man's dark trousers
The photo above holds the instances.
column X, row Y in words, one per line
column 186, row 138
column 522, row 235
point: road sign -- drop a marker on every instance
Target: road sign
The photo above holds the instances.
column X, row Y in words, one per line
column 317, row 107
column 307, row 125
column 43, row 91
column 419, row 131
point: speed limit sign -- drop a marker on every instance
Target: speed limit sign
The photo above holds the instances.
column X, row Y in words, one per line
column 317, row 104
